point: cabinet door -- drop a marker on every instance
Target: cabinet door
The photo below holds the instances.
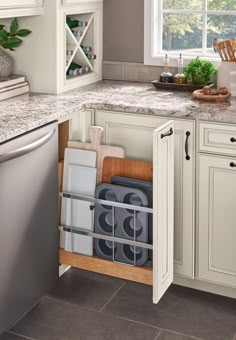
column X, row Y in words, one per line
column 163, row 209
column 134, row 133
column 217, row 220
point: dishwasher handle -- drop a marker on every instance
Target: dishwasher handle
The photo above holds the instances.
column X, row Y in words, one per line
column 27, row 148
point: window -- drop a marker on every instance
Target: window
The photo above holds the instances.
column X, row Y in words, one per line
column 186, row 26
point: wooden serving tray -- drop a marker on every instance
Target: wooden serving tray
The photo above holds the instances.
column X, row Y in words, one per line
column 210, row 97
column 177, row 87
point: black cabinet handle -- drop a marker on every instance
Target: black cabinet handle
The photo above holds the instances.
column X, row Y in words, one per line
column 232, row 139
column 169, row 133
column 233, row 165
column 186, row 145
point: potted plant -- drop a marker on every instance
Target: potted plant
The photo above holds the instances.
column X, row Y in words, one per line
column 199, row 72
column 10, row 40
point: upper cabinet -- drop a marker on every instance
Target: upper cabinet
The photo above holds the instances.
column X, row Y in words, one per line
column 17, row 8
column 83, row 46
column 70, row 53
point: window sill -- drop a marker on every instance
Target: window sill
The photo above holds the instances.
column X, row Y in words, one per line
column 173, row 60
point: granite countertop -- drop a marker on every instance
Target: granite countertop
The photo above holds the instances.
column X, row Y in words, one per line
column 26, row 112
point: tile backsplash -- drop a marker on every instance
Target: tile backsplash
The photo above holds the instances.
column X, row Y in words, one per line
column 132, row 71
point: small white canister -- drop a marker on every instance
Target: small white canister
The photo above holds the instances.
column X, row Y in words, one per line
column 226, row 76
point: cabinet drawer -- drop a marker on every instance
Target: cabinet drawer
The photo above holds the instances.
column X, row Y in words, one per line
column 216, row 138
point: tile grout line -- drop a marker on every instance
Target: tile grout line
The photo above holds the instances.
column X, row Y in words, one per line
column 131, row 320
column 20, row 335
column 159, row 333
column 70, row 303
column 101, row 309
column 152, row 326
column 97, row 311
column 174, row 332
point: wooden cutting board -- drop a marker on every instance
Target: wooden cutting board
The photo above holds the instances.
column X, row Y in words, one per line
column 126, row 168
column 95, row 133
column 210, row 97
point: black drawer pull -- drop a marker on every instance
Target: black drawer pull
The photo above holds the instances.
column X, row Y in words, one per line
column 233, row 165
column 169, row 133
column 186, row 145
column 232, row 139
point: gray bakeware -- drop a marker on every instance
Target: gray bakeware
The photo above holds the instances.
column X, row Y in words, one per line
column 147, row 187
column 123, row 218
column 130, row 255
column 104, row 249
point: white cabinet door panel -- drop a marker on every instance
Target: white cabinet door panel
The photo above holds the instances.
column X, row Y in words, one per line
column 134, row 133
column 217, row 220
column 163, row 209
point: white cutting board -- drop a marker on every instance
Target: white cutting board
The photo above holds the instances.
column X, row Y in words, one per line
column 82, row 158
column 80, row 180
column 95, row 133
column 79, row 177
column 79, row 244
column 78, row 214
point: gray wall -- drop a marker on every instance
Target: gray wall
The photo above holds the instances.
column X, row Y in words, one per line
column 123, row 30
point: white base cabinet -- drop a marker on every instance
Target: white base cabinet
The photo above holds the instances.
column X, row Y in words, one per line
column 134, row 133
column 162, row 157
column 217, row 219
column 211, row 266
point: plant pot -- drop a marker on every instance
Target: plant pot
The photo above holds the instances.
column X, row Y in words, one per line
column 6, row 64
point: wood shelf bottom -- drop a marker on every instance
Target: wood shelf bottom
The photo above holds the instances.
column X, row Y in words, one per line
column 98, row 265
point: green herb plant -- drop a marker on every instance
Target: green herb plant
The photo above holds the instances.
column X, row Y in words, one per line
column 11, row 40
column 199, row 72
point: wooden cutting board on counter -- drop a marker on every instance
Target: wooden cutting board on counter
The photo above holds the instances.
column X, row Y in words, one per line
column 126, row 168
column 95, row 133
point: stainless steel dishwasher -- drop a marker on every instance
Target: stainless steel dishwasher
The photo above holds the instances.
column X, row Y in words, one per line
column 28, row 221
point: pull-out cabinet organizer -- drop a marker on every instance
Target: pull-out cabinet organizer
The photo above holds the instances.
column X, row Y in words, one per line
column 160, row 276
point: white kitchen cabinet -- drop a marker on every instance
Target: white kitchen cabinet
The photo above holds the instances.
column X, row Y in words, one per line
column 134, row 133
column 48, row 71
column 83, row 45
column 217, row 138
column 160, row 276
column 16, row 8
column 217, row 219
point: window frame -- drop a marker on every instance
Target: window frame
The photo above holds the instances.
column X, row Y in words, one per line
column 152, row 13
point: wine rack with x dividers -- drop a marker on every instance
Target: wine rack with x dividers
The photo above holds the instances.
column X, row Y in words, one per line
column 81, row 58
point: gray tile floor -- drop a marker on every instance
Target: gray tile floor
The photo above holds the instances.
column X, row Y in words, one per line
column 88, row 306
